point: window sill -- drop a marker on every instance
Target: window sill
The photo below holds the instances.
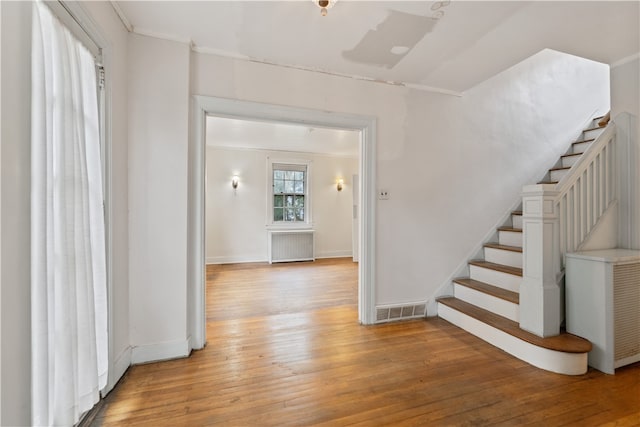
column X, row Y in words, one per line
column 289, row 227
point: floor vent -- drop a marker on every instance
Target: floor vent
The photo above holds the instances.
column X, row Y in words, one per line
column 291, row 245
column 400, row 312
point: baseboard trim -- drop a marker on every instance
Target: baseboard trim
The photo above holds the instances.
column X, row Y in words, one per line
column 251, row 259
column 160, row 351
column 235, row 259
column 120, row 366
column 334, row 254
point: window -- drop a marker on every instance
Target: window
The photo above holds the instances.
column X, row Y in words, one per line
column 68, row 255
column 289, row 193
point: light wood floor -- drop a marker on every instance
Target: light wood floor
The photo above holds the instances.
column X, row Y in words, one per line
column 285, row 349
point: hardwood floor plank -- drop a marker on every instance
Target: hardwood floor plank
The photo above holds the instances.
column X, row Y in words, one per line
column 278, row 355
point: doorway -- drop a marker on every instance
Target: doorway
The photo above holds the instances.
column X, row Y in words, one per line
column 204, row 106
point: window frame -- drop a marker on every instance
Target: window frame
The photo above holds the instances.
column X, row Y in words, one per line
column 296, row 165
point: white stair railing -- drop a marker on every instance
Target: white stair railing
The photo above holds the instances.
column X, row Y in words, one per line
column 556, row 219
column 586, row 192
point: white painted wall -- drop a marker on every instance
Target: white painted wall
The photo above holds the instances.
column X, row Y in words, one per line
column 15, row 350
column 453, row 165
column 443, row 158
column 15, row 381
column 625, row 111
column 625, row 87
column 158, row 111
column 236, row 220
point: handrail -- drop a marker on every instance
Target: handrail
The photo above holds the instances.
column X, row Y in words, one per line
column 586, row 191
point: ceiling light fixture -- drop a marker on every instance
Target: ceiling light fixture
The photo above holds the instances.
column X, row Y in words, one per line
column 324, row 5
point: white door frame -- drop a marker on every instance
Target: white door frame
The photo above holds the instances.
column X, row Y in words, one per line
column 206, row 105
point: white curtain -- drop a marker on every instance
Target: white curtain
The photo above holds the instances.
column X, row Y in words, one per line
column 68, row 273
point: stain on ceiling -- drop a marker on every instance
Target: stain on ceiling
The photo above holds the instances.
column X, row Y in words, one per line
column 391, row 40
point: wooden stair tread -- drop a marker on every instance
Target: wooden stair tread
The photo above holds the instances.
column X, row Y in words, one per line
column 497, row 267
column 583, row 141
column 506, row 228
column 488, row 289
column 503, row 247
column 564, row 342
column 571, row 155
column 597, row 118
column 516, row 213
column 595, row 128
column 561, row 168
column 547, row 182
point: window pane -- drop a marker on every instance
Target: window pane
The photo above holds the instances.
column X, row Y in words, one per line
column 278, row 186
column 289, row 216
column 289, row 193
column 288, row 187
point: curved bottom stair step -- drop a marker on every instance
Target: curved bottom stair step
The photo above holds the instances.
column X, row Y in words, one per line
column 563, row 354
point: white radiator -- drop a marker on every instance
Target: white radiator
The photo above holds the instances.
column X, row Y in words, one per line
column 602, row 300
column 626, row 316
column 291, row 245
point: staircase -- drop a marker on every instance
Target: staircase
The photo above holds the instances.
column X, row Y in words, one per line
column 486, row 303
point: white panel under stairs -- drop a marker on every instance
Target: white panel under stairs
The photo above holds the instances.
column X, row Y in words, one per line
column 487, row 303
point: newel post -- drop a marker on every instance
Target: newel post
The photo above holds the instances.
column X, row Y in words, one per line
column 539, row 292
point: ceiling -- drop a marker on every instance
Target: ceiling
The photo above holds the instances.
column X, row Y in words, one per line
column 448, row 46
column 247, row 134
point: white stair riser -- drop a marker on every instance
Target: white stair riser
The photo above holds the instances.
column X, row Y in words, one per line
column 504, row 257
column 496, row 278
column 580, row 148
column 567, row 162
column 559, row 174
column 516, row 220
column 510, row 238
column 592, row 133
column 550, row 360
column 488, row 302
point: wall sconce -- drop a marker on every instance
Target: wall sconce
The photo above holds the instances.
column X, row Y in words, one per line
column 234, row 181
column 340, row 184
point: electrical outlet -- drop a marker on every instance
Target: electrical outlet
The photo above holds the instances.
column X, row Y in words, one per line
column 383, row 194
